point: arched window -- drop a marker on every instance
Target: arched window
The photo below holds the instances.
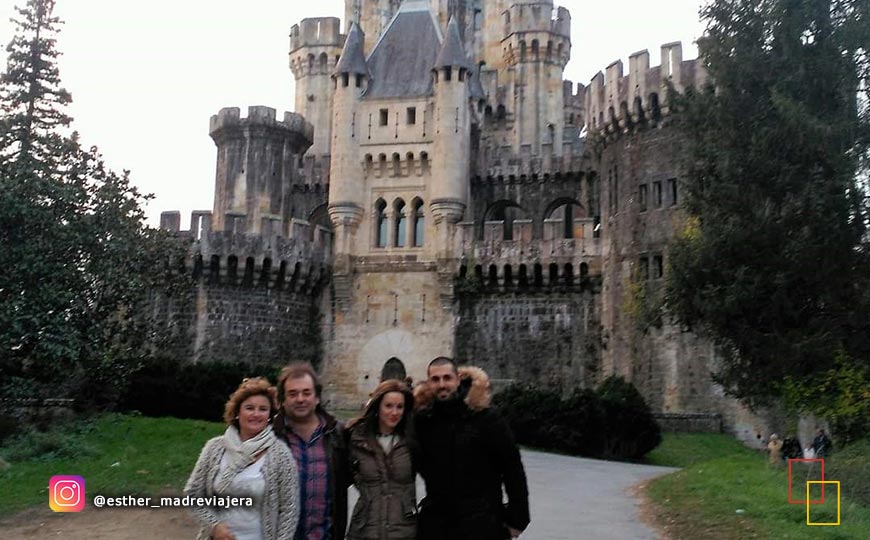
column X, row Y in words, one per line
column 418, row 222
column 401, row 223
column 323, row 62
column 381, row 223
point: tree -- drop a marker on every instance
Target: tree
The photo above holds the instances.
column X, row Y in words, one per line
column 772, row 259
column 79, row 261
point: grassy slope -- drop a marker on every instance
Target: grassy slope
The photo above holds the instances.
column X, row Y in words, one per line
column 153, row 455
column 722, row 477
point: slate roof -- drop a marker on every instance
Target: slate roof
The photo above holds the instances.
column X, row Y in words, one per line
column 452, row 53
column 401, row 61
column 352, row 59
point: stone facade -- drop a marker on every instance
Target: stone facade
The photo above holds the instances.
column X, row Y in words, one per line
column 443, row 191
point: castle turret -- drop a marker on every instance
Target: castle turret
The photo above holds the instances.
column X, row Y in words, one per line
column 346, row 188
column 315, row 45
column 539, row 48
column 452, row 131
column 256, row 165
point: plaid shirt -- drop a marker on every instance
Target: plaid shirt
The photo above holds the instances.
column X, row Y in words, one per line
column 312, row 465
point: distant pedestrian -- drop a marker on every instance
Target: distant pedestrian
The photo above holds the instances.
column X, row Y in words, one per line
column 822, row 444
column 774, row 448
column 791, row 448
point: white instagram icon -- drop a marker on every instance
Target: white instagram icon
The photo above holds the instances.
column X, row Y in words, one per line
column 67, row 493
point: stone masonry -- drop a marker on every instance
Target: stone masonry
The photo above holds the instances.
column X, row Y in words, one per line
column 441, row 190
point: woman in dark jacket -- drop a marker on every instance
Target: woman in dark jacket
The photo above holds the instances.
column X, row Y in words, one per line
column 382, row 465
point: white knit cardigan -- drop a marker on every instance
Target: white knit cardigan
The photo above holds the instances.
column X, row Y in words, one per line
column 280, row 508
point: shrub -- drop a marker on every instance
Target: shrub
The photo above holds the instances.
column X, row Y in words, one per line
column 183, row 390
column 613, row 422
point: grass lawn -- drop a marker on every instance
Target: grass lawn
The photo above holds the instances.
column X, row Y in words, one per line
column 115, row 454
column 728, row 492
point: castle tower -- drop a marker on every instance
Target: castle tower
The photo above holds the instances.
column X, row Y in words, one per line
column 539, row 48
column 315, row 45
column 346, row 190
column 256, row 165
column 452, row 133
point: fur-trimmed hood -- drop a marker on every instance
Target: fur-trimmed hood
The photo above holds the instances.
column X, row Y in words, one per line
column 473, row 384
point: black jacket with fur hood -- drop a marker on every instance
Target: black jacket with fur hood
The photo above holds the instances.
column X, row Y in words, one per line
column 467, row 452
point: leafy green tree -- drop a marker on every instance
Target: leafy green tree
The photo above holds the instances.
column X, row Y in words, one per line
column 772, row 260
column 79, row 260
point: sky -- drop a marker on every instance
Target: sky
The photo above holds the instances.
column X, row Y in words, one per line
column 146, row 76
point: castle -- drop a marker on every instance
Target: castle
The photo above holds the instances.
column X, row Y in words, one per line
column 441, row 190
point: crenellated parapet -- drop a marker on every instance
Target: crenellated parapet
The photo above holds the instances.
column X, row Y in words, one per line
column 616, row 101
column 229, row 122
column 297, row 255
column 503, row 161
column 524, row 261
column 535, row 32
column 316, row 32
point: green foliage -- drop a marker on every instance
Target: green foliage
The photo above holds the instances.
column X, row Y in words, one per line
column 737, row 496
column 613, row 422
column 773, row 262
column 80, row 261
column 116, row 455
column 841, row 395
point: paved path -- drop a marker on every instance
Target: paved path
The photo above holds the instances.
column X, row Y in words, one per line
column 583, row 499
column 571, row 498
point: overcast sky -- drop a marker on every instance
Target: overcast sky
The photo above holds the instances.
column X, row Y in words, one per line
column 146, row 76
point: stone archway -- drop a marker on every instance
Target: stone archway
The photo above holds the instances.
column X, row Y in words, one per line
column 393, row 369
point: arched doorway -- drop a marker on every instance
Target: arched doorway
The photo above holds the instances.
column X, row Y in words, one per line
column 393, row 369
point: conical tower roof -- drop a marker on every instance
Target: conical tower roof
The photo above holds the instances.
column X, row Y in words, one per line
column 352, row 59
column 452, row 52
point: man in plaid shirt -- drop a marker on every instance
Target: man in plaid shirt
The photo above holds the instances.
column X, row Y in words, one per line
column 317, row 442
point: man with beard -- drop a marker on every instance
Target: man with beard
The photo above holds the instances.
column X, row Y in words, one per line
column 467, row 453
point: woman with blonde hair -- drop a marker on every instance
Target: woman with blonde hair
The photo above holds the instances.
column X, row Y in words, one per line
column 247, row 462
column 382, row 452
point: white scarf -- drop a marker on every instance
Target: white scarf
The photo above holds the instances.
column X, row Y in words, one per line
column 241, row 454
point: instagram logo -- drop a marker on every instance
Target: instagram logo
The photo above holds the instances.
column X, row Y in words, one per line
column 66, row 493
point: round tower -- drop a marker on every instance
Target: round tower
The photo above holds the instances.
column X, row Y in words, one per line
column 450, row 169
column 315, row 46
column 256, row 163
column 346, row 188
column 538, row 49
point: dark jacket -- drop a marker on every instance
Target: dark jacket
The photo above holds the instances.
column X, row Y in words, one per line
column 387, row 507
column 467, row 452
column 336, row 449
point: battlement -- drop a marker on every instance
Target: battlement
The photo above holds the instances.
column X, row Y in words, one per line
column 537, row 16
column 524, row 261
column 572, row 97
column 230, row 118
column 298, row 253
column 615, row 101
column 316, row 32
column 503, row 161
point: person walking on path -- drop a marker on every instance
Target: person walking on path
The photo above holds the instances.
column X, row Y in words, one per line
column 467, row 452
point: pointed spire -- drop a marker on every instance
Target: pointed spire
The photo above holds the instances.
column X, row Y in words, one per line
column 452, row 53
column 352, row 59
